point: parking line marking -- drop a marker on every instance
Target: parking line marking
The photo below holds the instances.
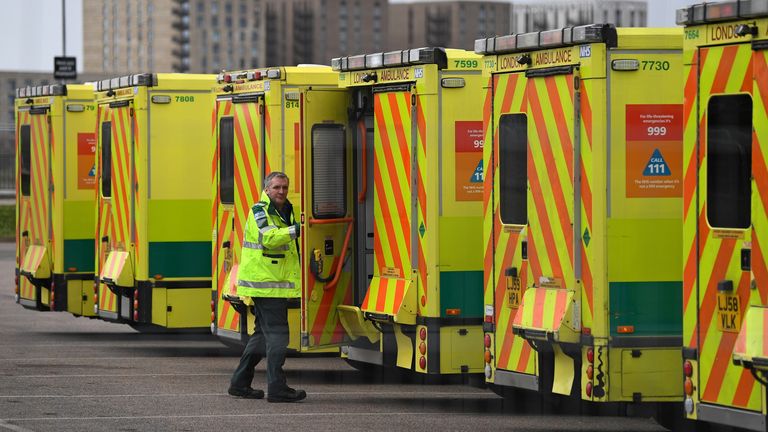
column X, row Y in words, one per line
column 11, row 427
column 298, row 414
column 115, row 375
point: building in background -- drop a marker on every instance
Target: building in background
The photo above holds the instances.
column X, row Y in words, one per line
column 445, row 23
column 528, row 16
column 121, row 37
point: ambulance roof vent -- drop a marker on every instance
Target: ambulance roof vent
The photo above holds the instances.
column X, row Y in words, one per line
column 592, row 33
column 426, row 55
column 145, row 79
column 720, row 11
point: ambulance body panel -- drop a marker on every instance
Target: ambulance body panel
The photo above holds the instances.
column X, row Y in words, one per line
column 288, row 119
column 153, row 249
column 417, row 126
column 582, row 212
column 725, row 285
column 55, row 186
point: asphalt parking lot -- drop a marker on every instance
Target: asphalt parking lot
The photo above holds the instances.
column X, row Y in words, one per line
column 63, row 373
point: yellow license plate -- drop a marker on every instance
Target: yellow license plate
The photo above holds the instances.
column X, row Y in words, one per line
column 513, row 291
column 728, row 312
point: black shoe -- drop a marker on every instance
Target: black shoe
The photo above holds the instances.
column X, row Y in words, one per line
column 246, row 393
column 287, row 395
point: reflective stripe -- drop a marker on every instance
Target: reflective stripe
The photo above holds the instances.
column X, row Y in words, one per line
column 258, row 246
column 252, row 245
column 292, row 231
column 267, row 229
column 249, row 284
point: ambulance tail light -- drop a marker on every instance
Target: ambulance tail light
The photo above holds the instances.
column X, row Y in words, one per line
column 588, row 389
column 452, row 83
column 487, row 356
column 374, row 60
column 688, row 368
column 625, row 65
column 135, row 315
column 422, row 362
column 688, row 386
column 487, row 341
column 590, row 355
column 423, row 333
column 213, row 305
column 422, row 348
column 590, row 371
column 625, row 329
column 453, row 312
column 227, row 78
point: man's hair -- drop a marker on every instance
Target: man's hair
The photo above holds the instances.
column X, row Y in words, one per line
column 273, row 175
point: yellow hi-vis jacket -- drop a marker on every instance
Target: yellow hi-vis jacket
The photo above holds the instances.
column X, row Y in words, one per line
column 269, row 261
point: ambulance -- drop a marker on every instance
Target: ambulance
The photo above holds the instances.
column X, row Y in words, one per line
column 417, row 128
column 293, row 120
column 725, row 284
column 55, row 183
column 152, row 250
column 582, row 214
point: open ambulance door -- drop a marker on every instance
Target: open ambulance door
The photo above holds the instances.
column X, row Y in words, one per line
column 242, row 165
column 316, row 123
column 35, row 205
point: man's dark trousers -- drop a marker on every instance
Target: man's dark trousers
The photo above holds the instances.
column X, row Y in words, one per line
column 272, row 331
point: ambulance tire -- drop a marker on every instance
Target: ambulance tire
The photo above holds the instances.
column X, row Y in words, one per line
column 672, row 417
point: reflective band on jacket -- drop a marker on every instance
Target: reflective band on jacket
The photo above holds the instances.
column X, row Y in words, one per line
column 249, row 284
column 267, row 229
column 254, row 245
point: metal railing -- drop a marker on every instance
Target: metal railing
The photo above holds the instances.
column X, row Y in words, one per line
column 7, row 158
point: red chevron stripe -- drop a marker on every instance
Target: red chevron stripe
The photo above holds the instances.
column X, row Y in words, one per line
column 36, row 177
column 724, row 350
column 552, row 172
column 398, row 194
column 759, row 268
column 586, row 116
column 743, row 389
column 388, row 228
column 255, row 145
column 402, row 140
column 586, row 194
column 125, row 177
column 724, row 69
column 556, row 106
column 116, row 212
column 247, row 170
column 541, row 210
column 707, row 309
column 538, row 307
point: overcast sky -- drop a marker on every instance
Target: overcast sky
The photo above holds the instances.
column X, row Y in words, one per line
column 31, row 30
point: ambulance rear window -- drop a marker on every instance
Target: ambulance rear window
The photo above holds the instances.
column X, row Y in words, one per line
column 25, row 159
column 729, row 161
column 227, row 160
column 328, row 171
column 106, row 159
column 513, row 168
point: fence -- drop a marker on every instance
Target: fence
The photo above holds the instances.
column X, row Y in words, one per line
column 7, row 157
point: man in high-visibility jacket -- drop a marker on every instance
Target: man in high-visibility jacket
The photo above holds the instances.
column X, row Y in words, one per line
column 269, row 273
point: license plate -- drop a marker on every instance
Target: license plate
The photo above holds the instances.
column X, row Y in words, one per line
column 728, row 312
column 513, row 291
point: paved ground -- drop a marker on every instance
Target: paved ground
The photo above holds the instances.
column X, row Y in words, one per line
column 61, row 373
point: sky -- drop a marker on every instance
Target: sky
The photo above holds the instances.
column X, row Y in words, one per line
column 31, row 30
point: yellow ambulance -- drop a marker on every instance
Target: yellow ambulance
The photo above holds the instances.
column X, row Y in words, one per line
column 582, row 233
column 417, row 128
column 725, row 284
column 152, row 254
column 55, row 183
column 293, row 120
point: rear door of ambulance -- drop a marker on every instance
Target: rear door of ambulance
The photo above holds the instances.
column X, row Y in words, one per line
column 510, row 274
column 33, row 129
column 316, row 138
column 241, row 161
column 115, row 206
column 726, row 155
